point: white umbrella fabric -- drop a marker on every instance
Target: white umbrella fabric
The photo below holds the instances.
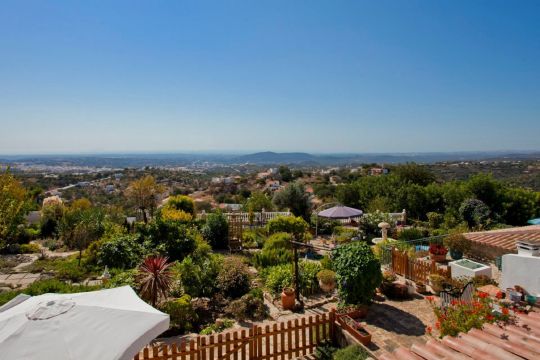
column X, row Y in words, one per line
column 99, row 325
column 340, row 212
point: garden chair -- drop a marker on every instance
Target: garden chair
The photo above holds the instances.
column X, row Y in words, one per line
column 464, row 294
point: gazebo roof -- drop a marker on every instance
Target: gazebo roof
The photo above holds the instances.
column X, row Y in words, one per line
column 340, row 212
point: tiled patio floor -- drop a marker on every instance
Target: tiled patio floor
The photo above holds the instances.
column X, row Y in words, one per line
column 398, row 323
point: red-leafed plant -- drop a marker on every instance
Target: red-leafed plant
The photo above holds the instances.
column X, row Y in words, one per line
column 460, row 317
column 437, row 249
column 155, row 278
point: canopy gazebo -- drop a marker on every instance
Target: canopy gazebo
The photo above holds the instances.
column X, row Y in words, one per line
column 338, row 212
column 107, row 324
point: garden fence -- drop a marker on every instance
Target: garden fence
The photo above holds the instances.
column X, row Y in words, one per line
column 280, row 340
column 258, row 218
column 417, row 270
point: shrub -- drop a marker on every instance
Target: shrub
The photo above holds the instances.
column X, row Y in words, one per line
column 181, row 203
column 170, row 214
column 326, row 263
column 249, row 306
column 217, row 327
column 457, row 242
column 358, row 273
column 344, row 235
column 412, row 234
column 325, row 350
column 326, row 276
column 278, row 277
column 181, row 313
column 435, row 219
column 30, row 248
column 123, row 278
column 351, row 352
column 123, row 252
column 253, row 238
column 309, row 284
column 281, row 276
column 46, row 286
column 216, row 230
column 288, row 224
column 233, row 279
column 369, row 223
column 276, row 250
column 324, row 226
column 197, row 274
column 176, row 240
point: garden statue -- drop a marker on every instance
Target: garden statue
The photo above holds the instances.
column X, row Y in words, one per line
column 384, row 229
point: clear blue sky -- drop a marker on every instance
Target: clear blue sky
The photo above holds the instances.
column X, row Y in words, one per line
column 318, row 76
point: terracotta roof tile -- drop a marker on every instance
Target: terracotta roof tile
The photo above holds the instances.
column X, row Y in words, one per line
column 506, row 238
column 513, row 342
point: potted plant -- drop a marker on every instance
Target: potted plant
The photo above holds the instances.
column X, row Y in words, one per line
column 356, row 329
column 358, row 274
column 327, row 280
column 287, row 298
column 388, row 281
column 437, row 252
column 436, row 282
column 458, row 244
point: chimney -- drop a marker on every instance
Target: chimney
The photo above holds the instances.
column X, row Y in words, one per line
column 528, row 248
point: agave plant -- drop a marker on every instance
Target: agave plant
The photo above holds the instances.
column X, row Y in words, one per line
column 155, row 278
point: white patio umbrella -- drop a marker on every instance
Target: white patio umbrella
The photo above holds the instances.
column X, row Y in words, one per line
column 97, row 325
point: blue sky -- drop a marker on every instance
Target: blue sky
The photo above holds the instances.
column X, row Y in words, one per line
column 318, row 76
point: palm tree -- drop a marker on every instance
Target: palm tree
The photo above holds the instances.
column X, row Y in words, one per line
column 155, row 278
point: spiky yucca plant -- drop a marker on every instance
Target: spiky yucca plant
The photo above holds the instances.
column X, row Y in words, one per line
column 155, row 278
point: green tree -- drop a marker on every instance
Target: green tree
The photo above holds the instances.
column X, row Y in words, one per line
column 294, row 197
column 176, row 240
column 520, row 205
column 13, row 205
column 258, row 201
column 216, row 230
column 474, row 212
column 145, row 193
column 414, row 174
column 80, row 227
column 285, row 173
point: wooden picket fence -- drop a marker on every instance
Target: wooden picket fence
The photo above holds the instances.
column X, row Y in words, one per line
column 414, row 269
column 280, row 340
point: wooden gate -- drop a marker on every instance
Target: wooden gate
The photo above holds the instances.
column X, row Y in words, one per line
column 280, row 340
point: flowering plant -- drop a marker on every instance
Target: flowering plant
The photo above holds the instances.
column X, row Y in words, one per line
column 437, row 249
column 460, row 317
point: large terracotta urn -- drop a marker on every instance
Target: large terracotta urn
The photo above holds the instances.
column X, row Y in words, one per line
column 287, row 298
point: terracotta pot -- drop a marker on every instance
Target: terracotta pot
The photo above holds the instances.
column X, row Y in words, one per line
column 327, row 287
column 361, row 334
column 437, row 258
column 287, row 298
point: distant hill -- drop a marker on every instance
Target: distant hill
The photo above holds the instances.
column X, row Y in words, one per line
column 270, row 158
column 263, row 158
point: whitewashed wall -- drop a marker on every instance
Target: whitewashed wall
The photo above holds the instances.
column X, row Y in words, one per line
column 523, row 271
